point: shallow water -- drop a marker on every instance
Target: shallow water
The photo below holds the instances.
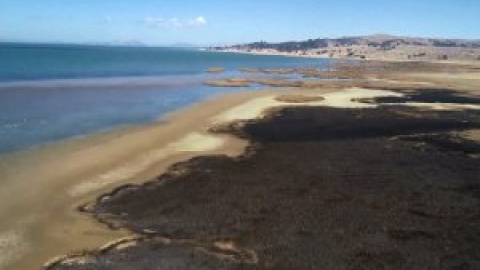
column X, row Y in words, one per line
column 54, row 92
column 35, row 115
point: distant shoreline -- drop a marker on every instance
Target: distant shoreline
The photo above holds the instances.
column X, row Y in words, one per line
column 339, row 57
column 376, row 47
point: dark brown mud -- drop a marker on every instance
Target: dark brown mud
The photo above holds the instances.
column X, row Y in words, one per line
column 320, row 188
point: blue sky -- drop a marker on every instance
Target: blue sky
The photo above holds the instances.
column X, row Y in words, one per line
column 225, row 22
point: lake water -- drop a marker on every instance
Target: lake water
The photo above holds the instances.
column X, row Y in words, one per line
column 55, row 92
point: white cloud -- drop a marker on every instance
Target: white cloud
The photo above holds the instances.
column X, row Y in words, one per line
column 199, row 21
column 174, row 23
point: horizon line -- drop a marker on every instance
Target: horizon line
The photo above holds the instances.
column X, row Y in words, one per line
column 139, row 43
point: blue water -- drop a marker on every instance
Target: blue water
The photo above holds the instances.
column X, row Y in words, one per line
column 54, row 92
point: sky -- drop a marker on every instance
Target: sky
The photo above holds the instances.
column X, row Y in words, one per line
column 218, row 22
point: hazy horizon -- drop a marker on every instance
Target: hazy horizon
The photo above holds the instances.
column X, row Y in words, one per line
column 139, row 43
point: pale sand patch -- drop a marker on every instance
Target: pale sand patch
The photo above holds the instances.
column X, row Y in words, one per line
column 455, row 75
column 340, row 99
column 473, row 135
column 346, row 98
column 126, row 245
column 440, row 106
column 81, row 260
column 298, row 98
column 391, row 81
column 248, row 110
column 197, row 142
column 12, row 246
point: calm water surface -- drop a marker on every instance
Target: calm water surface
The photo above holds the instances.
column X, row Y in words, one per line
column 54, row 92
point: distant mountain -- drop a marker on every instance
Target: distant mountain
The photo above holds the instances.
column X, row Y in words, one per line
column 378, row 41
